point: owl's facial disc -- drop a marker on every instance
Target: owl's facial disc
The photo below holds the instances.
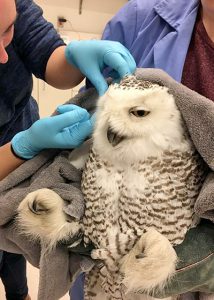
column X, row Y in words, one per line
column 113, row 137
column 136, row 112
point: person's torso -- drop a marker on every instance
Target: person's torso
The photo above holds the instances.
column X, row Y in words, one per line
column 15, row 85
column 156, row 32
column 33, row 43
column 15, row 91
column 163, row 35
column 198, row 72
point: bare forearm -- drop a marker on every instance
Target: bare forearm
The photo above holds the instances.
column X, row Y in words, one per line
column 59, row 73
column 8, row 162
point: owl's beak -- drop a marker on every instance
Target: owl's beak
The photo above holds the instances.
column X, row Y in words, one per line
column 113, row 138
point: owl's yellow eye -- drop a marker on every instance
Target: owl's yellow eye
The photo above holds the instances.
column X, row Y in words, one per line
column 138, row 112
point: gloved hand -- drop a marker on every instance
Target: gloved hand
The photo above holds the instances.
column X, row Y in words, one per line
column 91, row 57
column 66, row 130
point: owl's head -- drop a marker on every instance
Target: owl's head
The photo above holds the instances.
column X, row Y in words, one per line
column 137, row 119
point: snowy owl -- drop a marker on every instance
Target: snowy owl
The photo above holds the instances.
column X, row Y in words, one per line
column 140, row 182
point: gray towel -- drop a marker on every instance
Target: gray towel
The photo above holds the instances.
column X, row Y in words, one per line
column 51, row 169
column 198, row 114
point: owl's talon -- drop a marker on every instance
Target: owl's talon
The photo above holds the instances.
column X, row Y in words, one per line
column 151, row 269
column 41, row 216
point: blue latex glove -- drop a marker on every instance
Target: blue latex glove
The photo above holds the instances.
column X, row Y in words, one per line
column 91, row 57
column 66, row 130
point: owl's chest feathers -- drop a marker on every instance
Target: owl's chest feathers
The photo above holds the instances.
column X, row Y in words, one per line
column 158, row 192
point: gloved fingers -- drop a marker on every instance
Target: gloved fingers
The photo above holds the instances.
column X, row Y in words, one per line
column 96, row 78
column 71, row 107
column 73, row 136
column 67, row 119
column 118, row 63
column 130, row 60
column 66, row 108
column 93, row 119
column 114, row 74
column 122, row 64
column 70, row 52
column 81, row 131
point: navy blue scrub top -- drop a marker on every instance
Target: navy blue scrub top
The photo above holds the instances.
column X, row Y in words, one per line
column 34, row 41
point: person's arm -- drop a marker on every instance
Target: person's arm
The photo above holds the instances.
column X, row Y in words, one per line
column 46, row 55
column 8, row 161
column 59, row 73
column 67, row 130
column 123, row 27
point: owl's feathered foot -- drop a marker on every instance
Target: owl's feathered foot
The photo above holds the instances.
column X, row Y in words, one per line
column 41, row 216
column 150, row 264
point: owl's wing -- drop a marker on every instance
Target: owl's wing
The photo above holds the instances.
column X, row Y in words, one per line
column 79, row 155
